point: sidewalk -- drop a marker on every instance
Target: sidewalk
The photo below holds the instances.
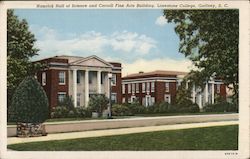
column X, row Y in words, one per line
column 111, row 132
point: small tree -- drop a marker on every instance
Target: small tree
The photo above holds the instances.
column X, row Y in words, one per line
column 98, row 102
column 29, row 102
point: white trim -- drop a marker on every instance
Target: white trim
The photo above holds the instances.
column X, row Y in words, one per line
column 152, row 84
column 149, row 78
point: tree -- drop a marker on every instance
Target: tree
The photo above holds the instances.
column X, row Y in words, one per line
column 20, row 48
column 98, row 103
column 29, row 102
column 209, row 38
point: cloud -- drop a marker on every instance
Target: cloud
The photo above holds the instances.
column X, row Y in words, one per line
column 52, row 42
column 156, row 64
column 161, row 21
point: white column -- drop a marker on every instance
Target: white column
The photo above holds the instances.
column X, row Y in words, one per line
column 86, row 87
column 200, row 101
column 194, row 94
column 212, row 92
column 206, row 93
column 99, row 86
column 108, row 84
column 75, row 87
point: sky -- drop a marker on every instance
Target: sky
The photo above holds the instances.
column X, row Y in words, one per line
column 140, row 39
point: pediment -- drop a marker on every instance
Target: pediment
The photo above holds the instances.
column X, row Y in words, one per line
column 92, row 61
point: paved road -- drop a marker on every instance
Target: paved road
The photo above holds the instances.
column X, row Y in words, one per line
column 111, row 132
column 74, row 126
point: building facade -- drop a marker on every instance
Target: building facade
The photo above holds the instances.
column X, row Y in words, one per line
column 79, row 77
column 161, row 86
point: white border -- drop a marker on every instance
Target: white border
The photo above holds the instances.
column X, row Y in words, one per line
column 243, row 151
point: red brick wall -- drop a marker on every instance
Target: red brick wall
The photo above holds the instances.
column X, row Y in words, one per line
column 118, row 88
column 223, row 91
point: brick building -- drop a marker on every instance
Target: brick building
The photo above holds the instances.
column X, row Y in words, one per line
column 158, row 86
column 79, row 77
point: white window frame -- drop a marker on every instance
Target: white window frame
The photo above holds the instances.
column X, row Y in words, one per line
column 152, row 86
column 123, row 88
column 113, row 80
column 129, row 88
column 167, row 87
column 137, row 88
column 61, row 75
column 169, row 98
column 143, row 87
column 61, row 94
column 43, row 78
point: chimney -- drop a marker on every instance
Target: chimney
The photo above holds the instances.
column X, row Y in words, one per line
column 141, row 72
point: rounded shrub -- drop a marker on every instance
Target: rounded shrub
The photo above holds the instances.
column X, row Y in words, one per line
column 29, row 102
column 120, row 110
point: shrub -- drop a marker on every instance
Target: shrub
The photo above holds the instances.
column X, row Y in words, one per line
column 120, row 110
column 82, row 112
column 136, row 108
column 29, row 102
column 60, row 112
column 67, row 102
column 221, row 107
column 98, row 103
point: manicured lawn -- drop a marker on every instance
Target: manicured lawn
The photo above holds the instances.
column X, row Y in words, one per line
column 211, row 138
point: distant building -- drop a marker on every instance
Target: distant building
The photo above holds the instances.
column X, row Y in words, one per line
column 158, row 86
column 79, row 77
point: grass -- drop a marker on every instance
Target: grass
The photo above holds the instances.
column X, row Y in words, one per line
column 210, row 138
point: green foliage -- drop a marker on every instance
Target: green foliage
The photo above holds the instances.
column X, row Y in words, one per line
column 67, row 102
column 121, row 110
column 209, row 38
column 29, row 102
column 20, row 48
column 65, row 112
column 221, row 107
column 136, row 108
column 98, row 103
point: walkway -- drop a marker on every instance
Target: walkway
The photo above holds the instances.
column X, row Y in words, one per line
column 121, row 131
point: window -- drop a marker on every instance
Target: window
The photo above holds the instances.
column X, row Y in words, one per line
column 143, row 88
column 137, row 87
column 218, row 88
column 152, row 86
column 129, row 88
column 123, row 100
column 168, row 98
column 44, row 78
column 148, row 101
column 133, row 87
column 78, row 99
column 123, row 89
column 113, row 80
column 61, row 96
column 61, row 77
column 167, row 87
column 113, row 98
column 78, row 76
column 148, row 86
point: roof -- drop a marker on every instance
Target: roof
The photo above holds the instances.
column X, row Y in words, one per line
column 157, row 73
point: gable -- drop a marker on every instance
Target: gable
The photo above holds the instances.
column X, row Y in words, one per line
column 92, row 61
